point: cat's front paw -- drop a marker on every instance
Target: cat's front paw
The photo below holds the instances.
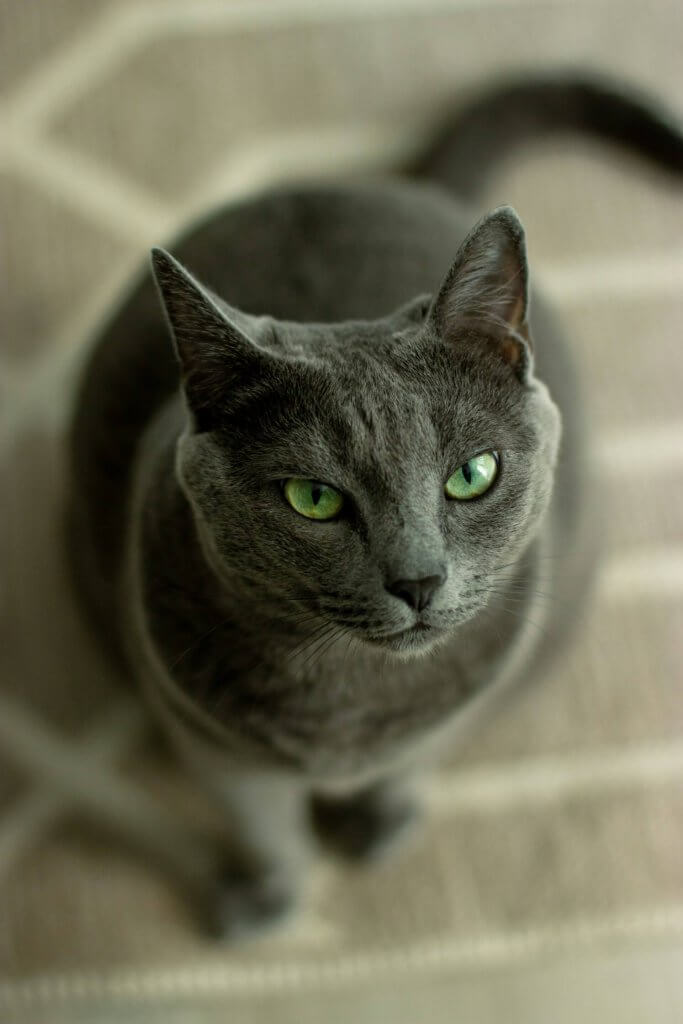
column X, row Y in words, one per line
column 245, row 902
column 366, row 827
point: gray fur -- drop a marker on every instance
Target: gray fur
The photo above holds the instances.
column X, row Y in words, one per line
column 365, row 335
column 514, row 112
column 261, row 637
column 368, row 337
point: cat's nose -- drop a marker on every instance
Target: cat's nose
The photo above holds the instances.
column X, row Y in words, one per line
column 416, row 593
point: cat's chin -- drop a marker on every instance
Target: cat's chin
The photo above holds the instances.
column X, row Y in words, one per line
column 413, row 642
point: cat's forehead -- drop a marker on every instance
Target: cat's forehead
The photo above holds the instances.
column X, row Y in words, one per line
column 374, row 398
column 380, row 375
column 340, row 342
column 368, row 377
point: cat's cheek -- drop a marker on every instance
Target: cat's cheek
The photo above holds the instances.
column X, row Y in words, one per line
column 201, row 470
column 310, row 546
column 548, row 429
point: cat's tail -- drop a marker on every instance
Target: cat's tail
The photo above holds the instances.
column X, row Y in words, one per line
column 474, row 141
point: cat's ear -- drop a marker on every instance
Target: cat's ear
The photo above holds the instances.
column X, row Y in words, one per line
column 487, row 288
column 212, row 340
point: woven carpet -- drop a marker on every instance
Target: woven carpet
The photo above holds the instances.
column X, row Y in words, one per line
column 548, row 881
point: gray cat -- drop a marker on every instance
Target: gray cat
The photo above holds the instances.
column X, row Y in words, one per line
column 363, row 516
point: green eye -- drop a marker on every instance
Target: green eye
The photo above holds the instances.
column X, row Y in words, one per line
column 473, row 478
column 312, row 499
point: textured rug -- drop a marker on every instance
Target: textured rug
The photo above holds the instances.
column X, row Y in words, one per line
column 548, row 883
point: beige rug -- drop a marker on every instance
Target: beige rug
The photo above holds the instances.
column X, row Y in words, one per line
column 548, row 884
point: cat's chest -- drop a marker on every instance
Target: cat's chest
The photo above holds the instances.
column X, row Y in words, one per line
column 334, row 744
column 341, row 721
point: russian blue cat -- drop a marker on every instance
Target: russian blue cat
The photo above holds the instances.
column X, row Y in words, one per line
column 334, row 501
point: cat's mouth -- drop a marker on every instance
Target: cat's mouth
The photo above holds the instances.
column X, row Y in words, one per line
column 419, row 635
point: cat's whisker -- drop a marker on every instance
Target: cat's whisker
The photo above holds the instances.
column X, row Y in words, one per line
column 522, row 592
column 301, row 619
column 495, row 626
column 193, row 646
column 334, row 637
column 525, row 618
column 300, row 649
column 309, row 648
column 319, row 647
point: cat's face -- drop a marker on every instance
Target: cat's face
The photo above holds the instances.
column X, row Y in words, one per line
column 374, row 476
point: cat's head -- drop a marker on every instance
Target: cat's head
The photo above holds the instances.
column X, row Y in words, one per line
column 373, row 475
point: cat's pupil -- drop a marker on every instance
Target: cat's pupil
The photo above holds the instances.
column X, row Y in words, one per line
column 467, row 472
column 316, row 494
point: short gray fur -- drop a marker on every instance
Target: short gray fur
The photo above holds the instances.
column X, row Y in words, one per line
column 368, row 336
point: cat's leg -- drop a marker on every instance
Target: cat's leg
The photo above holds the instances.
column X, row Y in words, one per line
column 268, row 850
column 367, row 824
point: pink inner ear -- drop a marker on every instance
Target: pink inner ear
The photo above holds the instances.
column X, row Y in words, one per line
column 488, row 288
column 512, row 351
column 517, row 314
column 488, row 282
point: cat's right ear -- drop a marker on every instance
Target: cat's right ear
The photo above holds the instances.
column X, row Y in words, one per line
column 211, row 341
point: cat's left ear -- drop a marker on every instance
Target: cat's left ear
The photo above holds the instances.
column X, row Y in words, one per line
column 487, row 289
